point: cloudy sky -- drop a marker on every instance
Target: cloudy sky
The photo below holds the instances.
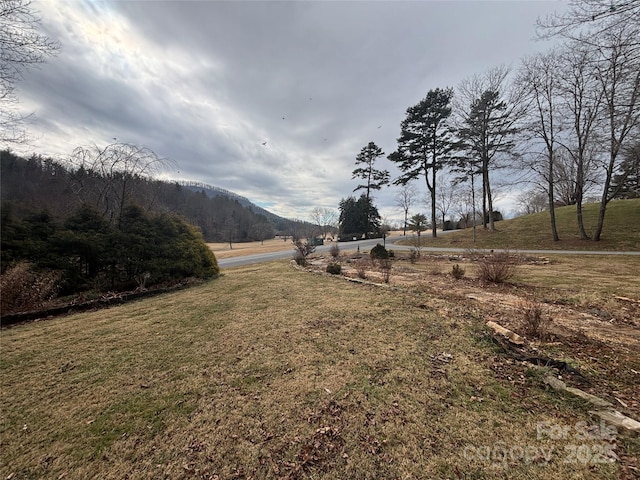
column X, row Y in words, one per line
column 271, row 100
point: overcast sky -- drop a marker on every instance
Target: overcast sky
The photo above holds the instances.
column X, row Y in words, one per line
column 271, row 100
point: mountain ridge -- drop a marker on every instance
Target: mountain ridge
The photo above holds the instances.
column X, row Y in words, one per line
column 212, row 191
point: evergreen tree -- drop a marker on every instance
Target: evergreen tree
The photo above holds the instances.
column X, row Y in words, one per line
column 426, row 142
column 359, row 217
column 418, row 223
column 488, row 131
column 375, row 179
column 626, row 183
column 82, row 245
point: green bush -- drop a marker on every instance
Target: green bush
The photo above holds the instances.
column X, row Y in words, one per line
column 334, row 268
column 457, row 271
column 379, row 252
column 89, row 253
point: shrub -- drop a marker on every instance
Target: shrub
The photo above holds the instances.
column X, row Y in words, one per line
column 300, row 259
column 433, row 268
column 379, row 252
column 334, row 268
column 334, row 250
column 161, row 248
column 457, row 271
column 24, row 289
column 385, row 269
column 414, row 256
column 302, row 251
column 361, row 265
column 499, row 267
column 534, row 323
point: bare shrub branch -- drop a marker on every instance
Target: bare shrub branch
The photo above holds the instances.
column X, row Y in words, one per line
column 23, row 289
column 534, row 323
column 385, row 266
column 497, row 267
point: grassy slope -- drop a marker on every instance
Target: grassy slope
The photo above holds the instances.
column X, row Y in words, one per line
column 621, row 231
column 269, row 372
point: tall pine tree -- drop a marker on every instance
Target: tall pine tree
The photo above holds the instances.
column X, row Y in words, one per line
column 375, row 179
column 426, row 143
column 488, row 131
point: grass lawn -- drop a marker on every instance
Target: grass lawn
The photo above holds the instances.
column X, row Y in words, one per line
column 621, row 231
column 273, row 372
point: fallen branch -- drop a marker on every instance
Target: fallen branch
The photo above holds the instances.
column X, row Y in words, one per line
column 506, row 333
column 626, row 299
column 510, row 343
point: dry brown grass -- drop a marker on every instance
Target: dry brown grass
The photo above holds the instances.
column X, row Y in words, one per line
column 271, row 372
column 222, row 250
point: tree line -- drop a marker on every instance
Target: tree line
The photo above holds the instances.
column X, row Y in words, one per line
column 111, row 178
column 566, row 121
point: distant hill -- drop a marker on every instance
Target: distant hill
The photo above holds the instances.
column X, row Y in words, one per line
column 40, row 185
column 212, row 192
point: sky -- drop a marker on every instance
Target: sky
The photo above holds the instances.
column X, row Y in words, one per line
column 271, row 100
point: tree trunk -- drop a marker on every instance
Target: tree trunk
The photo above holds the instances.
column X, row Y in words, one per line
column 432, row 190
column 484, row 202
column 579, row 193
column 605, row 197
column 579, row 216
column 492, row 226
column 552, row 206
column 552, row 215
column 601, row 213
column 473, row 206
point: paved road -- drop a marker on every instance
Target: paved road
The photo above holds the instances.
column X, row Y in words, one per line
column 368, row 244
column 268, row 257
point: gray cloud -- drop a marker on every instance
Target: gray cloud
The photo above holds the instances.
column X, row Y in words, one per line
column 205, row 84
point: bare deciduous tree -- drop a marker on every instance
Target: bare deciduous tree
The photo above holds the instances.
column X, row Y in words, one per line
column 106, row 176
column 581, row 102
column 617, row 68
column 326, row 219
column 22, row 47
column 539, row 78
column 446, row 197
column 599, row 16
column 405, row 198
column 532, row 201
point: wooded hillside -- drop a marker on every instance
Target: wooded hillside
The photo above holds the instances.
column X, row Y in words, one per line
column 40, row 184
